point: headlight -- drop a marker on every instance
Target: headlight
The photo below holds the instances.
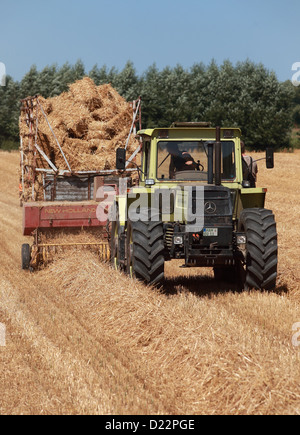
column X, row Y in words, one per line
column 241, row 240
column 178, row 240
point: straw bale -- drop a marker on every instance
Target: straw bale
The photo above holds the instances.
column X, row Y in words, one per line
column 85, row 92
column 76, row 150
column 47, row 105
column 109, row 95
column 71, row 115
column 97, row 146
column 89, row 122
column 97, row 130
column 95, row 155
column 106, row 113
column 121, row 120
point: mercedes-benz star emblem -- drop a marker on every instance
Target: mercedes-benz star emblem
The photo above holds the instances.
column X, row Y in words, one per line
column 210, row 207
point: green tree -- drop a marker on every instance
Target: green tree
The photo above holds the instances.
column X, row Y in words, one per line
column 78, row 71
column 264, row 107
column 153, row 101
column 9, row 111
column 295, row 101
column 99, row 75
column 177, row 94
column 245, row 95
column 30, row 84
column 248, row 96
column 127, row 83
column 198, row 92
column 46, row 80
column 63, row 78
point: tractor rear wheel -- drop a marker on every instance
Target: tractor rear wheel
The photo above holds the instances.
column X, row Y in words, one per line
column 259, row 270
column 145, row 250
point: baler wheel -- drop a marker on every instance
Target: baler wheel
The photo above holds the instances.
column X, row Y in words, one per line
column 26, row 256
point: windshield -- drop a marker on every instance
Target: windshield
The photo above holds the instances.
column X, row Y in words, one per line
column 184, row 160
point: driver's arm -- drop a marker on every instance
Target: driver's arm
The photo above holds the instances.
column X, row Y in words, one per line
column 172, row 168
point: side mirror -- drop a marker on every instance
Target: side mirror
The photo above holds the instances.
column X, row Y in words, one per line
column 121, row 159
column 270, row 158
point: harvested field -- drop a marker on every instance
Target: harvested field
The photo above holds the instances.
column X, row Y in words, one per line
column 84, row 339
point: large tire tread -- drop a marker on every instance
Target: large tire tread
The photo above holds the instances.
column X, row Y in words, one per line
column 262, row 248
column 148, row 251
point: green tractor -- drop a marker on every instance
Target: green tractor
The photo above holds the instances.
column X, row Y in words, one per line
column 193, row 202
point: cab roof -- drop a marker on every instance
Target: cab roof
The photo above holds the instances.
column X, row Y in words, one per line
column 196, row 132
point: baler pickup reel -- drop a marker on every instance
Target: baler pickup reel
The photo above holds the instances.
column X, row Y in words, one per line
column 41, row 253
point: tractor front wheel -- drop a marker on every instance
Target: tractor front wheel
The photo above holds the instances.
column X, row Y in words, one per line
column 145, row 250
column 259, row 269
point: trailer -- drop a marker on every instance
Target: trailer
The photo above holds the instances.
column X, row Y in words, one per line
column 73, row 202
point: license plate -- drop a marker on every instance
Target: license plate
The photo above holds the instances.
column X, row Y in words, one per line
column 210, row 232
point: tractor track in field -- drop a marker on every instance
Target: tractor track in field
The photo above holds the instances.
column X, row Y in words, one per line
column 84, row 339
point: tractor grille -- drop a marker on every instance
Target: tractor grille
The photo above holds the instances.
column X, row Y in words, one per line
column 216, row 207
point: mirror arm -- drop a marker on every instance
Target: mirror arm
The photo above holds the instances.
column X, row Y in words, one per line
column 258, row 160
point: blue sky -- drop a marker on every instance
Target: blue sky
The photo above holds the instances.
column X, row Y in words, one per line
column 165, row 32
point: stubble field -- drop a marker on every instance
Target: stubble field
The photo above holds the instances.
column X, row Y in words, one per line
column 84, row 339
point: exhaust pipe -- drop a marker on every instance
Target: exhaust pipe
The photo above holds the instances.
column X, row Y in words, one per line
column 218, row 158
column 210, row 158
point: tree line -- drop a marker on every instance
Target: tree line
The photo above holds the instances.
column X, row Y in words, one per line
column 245, row 95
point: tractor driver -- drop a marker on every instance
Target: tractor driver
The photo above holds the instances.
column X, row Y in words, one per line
column 250, row 169
column 180, row 160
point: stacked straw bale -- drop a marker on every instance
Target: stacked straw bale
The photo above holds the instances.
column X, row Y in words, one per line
column 90, row 122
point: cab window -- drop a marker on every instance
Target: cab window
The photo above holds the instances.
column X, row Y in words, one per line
column 146, row 159
column 179, row 160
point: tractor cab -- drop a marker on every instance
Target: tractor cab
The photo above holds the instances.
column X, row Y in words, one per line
column 187, row 154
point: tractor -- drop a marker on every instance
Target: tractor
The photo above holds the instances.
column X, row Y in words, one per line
column 193, row 203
